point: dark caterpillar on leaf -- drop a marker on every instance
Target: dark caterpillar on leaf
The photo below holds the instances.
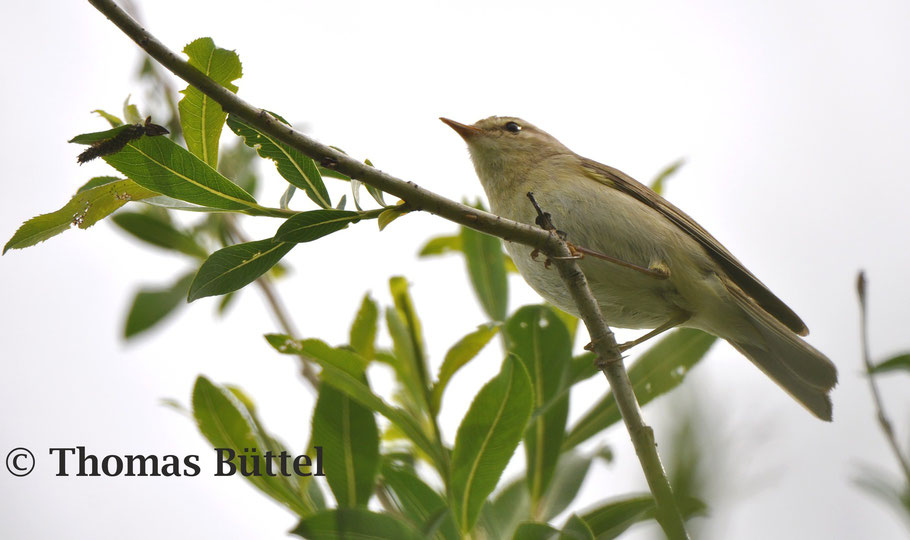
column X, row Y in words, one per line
column 118, row 141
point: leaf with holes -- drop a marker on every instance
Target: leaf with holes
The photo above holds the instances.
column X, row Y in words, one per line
column 84, row 210
column 201, row 118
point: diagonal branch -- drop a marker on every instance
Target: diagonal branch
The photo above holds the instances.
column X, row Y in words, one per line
column 417, row 198
column 609, row 360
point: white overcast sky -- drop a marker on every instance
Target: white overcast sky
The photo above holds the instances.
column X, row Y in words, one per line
column 794, row 117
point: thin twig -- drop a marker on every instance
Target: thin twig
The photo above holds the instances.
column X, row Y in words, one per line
column 609, row 360
column 420, row 199
column 274, row 301
column 883, row 419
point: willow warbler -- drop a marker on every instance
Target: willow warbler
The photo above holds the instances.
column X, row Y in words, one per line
column 604, row 210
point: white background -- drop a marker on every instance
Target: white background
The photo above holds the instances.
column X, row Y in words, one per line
column 795, row 122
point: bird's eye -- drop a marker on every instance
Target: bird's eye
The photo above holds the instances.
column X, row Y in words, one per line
column 512, row 127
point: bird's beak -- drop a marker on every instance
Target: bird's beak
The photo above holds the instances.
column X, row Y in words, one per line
column 465, row 131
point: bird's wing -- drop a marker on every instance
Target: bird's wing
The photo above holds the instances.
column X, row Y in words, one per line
column 734, row 269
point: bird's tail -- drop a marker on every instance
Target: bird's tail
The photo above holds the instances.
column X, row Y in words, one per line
column 800, row 369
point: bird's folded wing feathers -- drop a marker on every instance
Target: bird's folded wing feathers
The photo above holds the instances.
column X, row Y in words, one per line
column 734, row 269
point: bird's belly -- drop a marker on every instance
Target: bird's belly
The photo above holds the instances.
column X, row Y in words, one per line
column 623, row 228
column 626, row 299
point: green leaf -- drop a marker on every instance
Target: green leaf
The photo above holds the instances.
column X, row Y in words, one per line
column 238, row 162
column 483, row 254
column 158, row 232
column 660, row 369
column 131, row 114
column 657, row 185
column 83, row 210
column 346, row 360
column 234, row 267
column 301, row 486
column 538, row 338
column 285, row 200
column 308, row 226
column 613, row 518
column 881, row 485
column 571, row 471
column 98, row 181
column 389, row 215
column 225, row 303
column 341, row 369
column 440, row 246
column 407, row 338
column 98, row 136
column 376, row 193
column 458, row 356
column 347, row 432
column 314, row 495
column 581, row 368
column 201, row 118
column 363, row 331
column 355, row 193
column 571, row 321
column 161, row 165
column 487, row 438
column 226, row 423
column 535, row 531
column 418, row 502
column 901, row 361
column 576, row 529
column 355, row 524
column 292, row 165
column 111, row 119
column 501, row 516
column 151, row 306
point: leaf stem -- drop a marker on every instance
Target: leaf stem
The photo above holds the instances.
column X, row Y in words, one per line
column 276, row 305
column 883, row 419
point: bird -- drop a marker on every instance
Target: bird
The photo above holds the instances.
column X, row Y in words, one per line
column 604, row 210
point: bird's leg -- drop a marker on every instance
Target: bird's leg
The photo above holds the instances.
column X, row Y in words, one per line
column 672, row 323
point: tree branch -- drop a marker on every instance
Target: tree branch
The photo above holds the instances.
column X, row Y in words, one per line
column 609, row 360
column 883, row 420
column 417, row 198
